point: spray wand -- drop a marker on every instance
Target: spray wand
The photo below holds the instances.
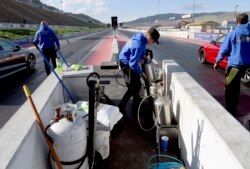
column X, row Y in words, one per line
column 52, row 69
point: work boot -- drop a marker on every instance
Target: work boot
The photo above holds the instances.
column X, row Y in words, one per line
column 122, row 109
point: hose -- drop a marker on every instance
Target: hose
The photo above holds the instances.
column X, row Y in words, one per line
column 118, row 74
column 138, row 115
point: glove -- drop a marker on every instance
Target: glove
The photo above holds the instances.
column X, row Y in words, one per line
column 149, row 53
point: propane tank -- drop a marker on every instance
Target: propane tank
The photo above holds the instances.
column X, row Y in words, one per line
column 149, row 70
column 156, row 90
column 153, row 90
column 70, row 141
column 159, row 74
column 163, row 110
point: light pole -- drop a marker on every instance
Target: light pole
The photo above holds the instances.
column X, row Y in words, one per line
column 236, row 6
column 193, row 10
column 159, row 7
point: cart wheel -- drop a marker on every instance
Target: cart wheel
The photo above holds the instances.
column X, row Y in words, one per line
column 98, row 160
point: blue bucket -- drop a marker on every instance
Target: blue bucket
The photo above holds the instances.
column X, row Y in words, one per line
column 165, row 165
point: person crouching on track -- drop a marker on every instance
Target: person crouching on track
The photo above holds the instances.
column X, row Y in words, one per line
column 130, row 57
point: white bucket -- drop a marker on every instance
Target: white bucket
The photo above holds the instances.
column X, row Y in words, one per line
column 102, row 143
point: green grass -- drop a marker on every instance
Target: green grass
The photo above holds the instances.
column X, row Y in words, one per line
column 24, row 33
column 16, row 33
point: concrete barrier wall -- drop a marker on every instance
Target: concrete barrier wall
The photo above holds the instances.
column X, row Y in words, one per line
column 185, row 34
column 21, row 142
column 210, row 137
column 115, row 51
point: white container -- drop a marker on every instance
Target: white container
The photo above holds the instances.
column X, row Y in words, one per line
column 102, row 140
column 107, row 115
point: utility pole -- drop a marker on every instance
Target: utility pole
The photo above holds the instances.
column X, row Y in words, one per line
column 193, row 10
column 159, row 10
column 236, row 6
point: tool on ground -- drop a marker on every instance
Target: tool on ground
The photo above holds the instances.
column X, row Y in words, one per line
column 52, row 69
column 63, row 58
column 40, row 123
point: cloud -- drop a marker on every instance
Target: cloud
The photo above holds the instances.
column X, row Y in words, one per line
column 198, row 6
column 89, row 7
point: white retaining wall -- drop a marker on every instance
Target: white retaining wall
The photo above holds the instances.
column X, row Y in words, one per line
column 210, row 137
column 22, row 145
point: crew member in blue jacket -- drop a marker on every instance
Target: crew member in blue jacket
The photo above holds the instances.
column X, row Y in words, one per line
column 46, row 38
column 236, row 47
column 130, row 58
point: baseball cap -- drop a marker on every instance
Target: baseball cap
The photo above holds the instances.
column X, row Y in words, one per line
column 242, row 18
column 155, row 35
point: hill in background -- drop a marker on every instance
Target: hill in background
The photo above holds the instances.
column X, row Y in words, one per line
column 85, row 20
column 165, row 19
column 81, row 16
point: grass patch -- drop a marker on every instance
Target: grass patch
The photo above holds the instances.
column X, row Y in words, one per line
column 25, row 33
column 16, row 33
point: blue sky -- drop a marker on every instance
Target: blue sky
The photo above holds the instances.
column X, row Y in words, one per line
column 128, row 10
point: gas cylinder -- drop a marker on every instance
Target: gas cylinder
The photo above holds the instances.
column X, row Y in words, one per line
column 70, row 141
column 156, row 90
column 159, row 74
column 149, row 70
column 163, row 110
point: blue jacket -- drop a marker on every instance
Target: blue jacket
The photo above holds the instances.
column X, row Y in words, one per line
column 46, row 38
column 236, row 46
column 133, row 52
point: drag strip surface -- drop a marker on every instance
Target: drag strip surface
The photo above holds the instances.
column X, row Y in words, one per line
column 186, row 55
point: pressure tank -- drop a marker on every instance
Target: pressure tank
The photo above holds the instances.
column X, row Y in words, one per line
column 70, row 141
column 149, row 71
column 163, row 110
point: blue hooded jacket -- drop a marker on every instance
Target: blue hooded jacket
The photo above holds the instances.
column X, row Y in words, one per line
column 236, row 46
column 46, row 37
column 133, row 52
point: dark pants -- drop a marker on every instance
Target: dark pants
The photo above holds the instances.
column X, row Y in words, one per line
column 232, row 89
column 133, row 83
column 50, row 54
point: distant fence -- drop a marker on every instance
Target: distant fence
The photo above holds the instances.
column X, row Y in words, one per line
column 4, row 25
column 206, row 36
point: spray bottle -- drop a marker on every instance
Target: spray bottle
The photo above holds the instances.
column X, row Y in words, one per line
column 59, row 65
